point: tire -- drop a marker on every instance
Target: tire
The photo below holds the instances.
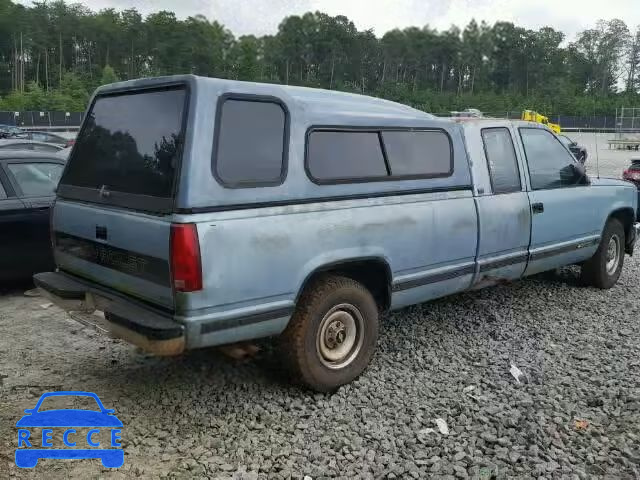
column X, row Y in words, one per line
column 332, row 335
column 604, row 268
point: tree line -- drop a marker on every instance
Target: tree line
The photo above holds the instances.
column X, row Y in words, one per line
column 54, row 54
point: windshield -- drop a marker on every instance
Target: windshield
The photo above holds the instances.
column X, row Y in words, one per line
column 64, row 402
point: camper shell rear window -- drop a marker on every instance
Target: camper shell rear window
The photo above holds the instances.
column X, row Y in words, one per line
column 129, row 149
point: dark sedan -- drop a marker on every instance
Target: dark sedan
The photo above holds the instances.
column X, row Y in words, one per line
column 27, row 189
column 578, row 151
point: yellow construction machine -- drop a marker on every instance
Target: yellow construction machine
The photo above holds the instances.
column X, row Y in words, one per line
column 533, row 116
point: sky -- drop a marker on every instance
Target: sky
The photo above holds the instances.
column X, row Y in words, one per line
column 263, row 16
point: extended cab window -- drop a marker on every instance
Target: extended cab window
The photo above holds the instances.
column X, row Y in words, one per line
column 345, row 155
column 550, row 165
column 418, row 153
column 251, row 143
column 501, row 160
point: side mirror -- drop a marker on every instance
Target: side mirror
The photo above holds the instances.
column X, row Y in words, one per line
column 29, row 410
column 574, row 174
column 580, row 173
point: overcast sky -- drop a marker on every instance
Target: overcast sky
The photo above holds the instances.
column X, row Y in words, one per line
column 263, row 16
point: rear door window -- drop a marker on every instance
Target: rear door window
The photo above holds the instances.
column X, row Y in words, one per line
column 36, row 179
column 418, row 153
column 130, row 143
column 501, row 160
column 251, row 143
column 3, row 194
column 345, row 156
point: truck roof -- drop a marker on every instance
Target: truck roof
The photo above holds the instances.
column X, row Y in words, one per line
column 315, row 101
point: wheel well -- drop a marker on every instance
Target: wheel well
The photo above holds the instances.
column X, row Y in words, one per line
column 374, row 274
column 626, row 217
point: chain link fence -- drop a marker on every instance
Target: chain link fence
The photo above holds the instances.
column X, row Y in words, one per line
column 567, row 122
column 41, row 119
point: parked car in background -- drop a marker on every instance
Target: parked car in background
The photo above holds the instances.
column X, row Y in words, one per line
column 632, row 174
column 20, row 144
column 8, row 131
column 46, row 137
column 578, row 151
column 27, row 189
column 304, row 213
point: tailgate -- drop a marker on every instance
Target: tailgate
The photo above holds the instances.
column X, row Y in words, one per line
column 110, row 222
column 125, row 251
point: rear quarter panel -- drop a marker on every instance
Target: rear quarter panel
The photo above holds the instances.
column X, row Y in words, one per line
column 257, row 260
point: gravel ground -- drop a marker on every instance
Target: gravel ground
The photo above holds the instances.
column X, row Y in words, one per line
column 576, row 413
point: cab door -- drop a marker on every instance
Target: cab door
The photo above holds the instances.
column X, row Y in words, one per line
column 34, row 182
column 505, row 218
column 13, row 228
column 567, row 216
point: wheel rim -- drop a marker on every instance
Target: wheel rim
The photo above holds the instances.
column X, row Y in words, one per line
column 613, row 255
column 339, row 338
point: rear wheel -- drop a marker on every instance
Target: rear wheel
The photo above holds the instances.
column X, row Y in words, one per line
column 332, row 335
column 604, row 268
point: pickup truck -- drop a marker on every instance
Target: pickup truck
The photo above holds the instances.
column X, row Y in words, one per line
column 196, row 212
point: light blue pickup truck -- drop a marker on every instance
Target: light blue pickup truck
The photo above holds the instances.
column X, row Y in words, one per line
column 196, row 212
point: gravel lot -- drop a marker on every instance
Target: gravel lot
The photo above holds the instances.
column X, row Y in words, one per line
column 576, row 413
column 206, row 415
column 612, row 162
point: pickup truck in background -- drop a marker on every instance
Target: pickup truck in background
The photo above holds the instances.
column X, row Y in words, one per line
column 196, row 212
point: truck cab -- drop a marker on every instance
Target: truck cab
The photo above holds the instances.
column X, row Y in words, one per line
column 537, row 206
column 196, row 212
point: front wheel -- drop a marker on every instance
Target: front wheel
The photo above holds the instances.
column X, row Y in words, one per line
column 332, row 335
column 604, row 268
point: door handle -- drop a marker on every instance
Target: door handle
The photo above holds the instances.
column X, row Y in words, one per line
column 537, row 207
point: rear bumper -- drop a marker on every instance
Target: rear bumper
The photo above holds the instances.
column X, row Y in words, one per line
column 148, row 329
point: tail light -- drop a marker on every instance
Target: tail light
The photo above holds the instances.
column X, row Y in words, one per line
column 186, row 270
column 70, row 143
column 633, row 175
